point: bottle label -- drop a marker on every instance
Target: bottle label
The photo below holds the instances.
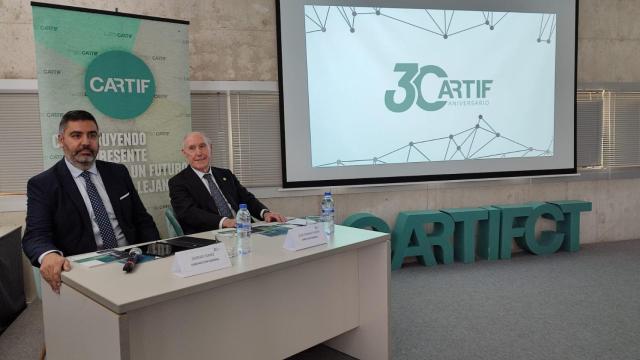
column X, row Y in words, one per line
column 327, row 211
column 243, row 227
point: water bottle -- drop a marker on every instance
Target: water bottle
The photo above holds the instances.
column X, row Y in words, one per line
column 328, row 208
column 243, row 230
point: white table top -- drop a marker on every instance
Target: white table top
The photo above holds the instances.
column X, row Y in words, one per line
column 153, row 282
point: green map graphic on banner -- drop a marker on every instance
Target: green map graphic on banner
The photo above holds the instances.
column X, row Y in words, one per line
column 132, row 74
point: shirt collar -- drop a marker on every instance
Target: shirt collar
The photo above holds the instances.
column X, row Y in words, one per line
column 200, row 173
column 75, row 172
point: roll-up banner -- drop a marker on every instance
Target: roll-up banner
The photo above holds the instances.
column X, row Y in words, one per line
column 132, row 73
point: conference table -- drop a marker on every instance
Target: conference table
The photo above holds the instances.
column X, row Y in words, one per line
column 270, row 304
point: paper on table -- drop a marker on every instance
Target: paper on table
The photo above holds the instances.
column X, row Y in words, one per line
column 101, row 258
column 297, row 221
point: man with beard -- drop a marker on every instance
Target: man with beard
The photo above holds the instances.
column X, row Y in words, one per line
column 81, row 205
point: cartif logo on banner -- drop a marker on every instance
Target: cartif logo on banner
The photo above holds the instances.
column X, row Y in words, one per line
column 459, row 92
column 119, row 84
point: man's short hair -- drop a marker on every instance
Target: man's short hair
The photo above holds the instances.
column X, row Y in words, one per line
column 205, row 137
column 75, row 115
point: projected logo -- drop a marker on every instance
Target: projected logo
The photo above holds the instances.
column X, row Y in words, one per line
column 411, row 83
column 119, row 84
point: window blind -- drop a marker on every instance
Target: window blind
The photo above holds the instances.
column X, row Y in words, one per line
column 20, row 141
column 589, row 128
column 209, row 115
column 256, row 138
column 621, row 140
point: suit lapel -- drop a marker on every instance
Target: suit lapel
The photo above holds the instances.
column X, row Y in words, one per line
column 71, row 189
column 200, row 191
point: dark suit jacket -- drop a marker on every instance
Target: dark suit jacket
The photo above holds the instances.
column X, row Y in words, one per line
column 58, row 219
column 193, row 205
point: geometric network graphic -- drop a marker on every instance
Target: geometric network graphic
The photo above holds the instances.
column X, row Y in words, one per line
column 472, row 143
column 544, row 22
column 481, row 140
column 437, row 22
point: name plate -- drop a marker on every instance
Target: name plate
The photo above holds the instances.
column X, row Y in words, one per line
column 200, row 260
column 305, row 237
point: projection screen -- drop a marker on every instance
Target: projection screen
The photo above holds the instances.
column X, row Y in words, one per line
column 407, row 91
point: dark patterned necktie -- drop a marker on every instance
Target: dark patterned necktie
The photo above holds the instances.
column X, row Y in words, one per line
column 221, row 203
column 100, row 213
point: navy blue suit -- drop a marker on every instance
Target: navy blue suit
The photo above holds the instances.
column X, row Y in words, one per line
column 58, row 219
column 193, row 205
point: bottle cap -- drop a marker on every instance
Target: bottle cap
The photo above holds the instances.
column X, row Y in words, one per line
column 327, row 193
column 243, row 206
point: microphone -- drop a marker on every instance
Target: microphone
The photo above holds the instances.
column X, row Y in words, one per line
column 132, row 260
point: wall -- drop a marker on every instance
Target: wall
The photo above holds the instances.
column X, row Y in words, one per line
column 608, row 41
column 229, row 40
column 614, row 215
column 236, row 40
